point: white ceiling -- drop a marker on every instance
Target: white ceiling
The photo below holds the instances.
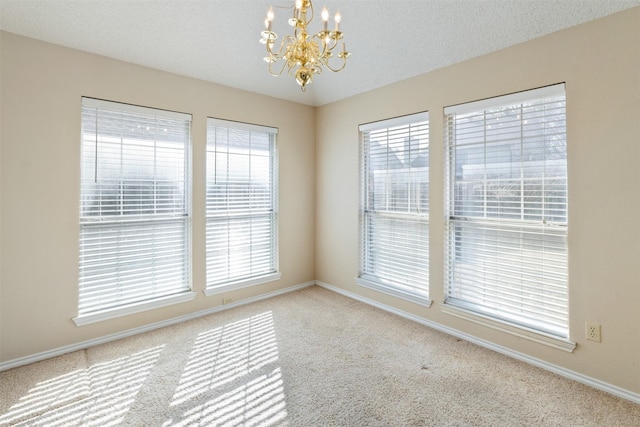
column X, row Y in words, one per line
column 217, row 40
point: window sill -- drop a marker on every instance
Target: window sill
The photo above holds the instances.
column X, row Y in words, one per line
column 510, row 328
column 214, row 290
column 394, row 291
column 87, row 319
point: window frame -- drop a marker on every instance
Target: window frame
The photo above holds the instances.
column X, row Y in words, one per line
column 162, row 289
column 272, row 273
column 387, row 279
column 455, row 304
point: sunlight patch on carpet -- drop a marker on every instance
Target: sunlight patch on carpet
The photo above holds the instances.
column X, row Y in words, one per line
column 232, row 376
column 99, row 395
column 49, row 395
column 259, row 402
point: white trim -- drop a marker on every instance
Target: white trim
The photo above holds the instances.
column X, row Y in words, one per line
column 393, row 291
column 136, row 109
column 241, row 125
column 112, row 313
column 231, row 286
column 395, row 121
column 504, row 100
column 581, row 378
column 584, row 379
column 146, row 328
column 516, row 330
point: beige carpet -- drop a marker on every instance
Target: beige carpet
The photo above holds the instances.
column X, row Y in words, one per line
column 309, row 358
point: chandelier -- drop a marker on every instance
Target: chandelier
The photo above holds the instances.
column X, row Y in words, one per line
column 303, row 55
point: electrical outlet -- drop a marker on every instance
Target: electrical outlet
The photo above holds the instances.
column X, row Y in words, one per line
column 593, row 332
column 227, row 300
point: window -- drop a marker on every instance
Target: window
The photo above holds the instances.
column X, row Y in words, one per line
column 394, row 208
column 241, row 205
column 134, row 213
column 507, row 210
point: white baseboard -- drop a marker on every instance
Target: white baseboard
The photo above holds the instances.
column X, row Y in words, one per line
column 592, row 382
column 96, row 341
column 584, row 379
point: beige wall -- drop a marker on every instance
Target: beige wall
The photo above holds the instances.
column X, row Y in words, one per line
column 41, row 86
column 600, row 63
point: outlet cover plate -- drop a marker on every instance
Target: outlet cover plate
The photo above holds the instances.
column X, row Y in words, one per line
column 593, row 332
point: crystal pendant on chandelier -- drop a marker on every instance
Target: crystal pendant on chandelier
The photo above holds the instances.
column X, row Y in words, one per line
column 300, row 54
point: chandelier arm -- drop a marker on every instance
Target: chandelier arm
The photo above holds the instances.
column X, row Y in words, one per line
column 284, row 64
column 322, row 41
column 332, row 44
column 312, row 14
column 282, row 51
column 296, row 30
column 335, row 70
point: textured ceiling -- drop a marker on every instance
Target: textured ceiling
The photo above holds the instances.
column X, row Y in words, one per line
column 217, row 40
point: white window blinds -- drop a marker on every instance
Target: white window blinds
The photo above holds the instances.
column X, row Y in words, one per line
column 507, row 209
column 241, row 235
column 134, row 214
column 394, row 213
